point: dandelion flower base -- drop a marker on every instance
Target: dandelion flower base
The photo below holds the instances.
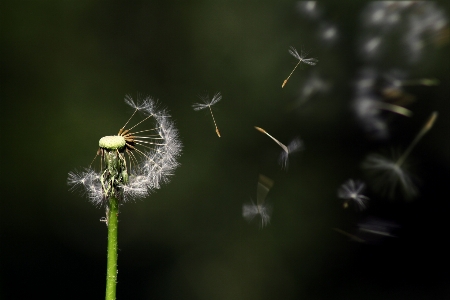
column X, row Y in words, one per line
column 112, row 142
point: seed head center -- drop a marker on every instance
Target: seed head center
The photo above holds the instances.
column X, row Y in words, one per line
column 112, row 142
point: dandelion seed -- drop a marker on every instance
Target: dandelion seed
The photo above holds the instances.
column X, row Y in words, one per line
column 133, row 162
column 328, row 33
column 372, row 231
column 301, row 58
column 294, row 146
column 373, row 44
column 369, row 107
column 389, row 174
column 393, row 90
column 309, row 9
column 313, row 86
column 396, row 79
column 261, row 209
column 285, row 149
column 377, row 227
column 208, row 103
column 263, row 188
column 351, row 236
column 352, row 190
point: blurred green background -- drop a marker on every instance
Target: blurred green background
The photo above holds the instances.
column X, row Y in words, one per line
column 65, row 69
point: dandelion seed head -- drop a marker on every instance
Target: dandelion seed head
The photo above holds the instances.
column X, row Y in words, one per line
column 112, row 142
column 136, row 161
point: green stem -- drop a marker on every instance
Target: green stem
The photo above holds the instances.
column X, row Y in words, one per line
column 111, row 273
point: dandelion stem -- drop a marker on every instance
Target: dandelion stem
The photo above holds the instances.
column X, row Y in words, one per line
column 418, row 137
column 111, row 273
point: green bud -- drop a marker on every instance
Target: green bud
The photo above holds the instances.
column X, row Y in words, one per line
column 112, row 142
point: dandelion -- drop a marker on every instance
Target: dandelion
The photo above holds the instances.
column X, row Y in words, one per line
column 294, row 146
column 208, row 103
column 133, row 163
column 301, row 58
column 261, row 209
column 389, row 174
column 352, row 190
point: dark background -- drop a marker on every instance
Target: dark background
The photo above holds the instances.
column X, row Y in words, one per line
column 65, row 69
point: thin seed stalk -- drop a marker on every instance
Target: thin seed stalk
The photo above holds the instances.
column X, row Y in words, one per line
column 419, row 136
column 111, row 269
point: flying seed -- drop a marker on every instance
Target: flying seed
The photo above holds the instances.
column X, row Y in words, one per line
column 301, row 58
column 295, row 145
column 261, row 208
column 208, row 103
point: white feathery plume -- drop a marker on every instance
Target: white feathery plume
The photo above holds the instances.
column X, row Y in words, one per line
column 301, row 59
column 207, row 104
column 152, row 153
column 261, row 208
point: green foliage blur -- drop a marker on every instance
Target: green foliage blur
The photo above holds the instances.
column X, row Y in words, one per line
column 66, row 67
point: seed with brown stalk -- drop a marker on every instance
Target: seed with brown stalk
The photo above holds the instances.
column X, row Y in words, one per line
column 389, row 174
column 261, row 208
column 208, row 103
column 295, row 145
column 301, row 59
